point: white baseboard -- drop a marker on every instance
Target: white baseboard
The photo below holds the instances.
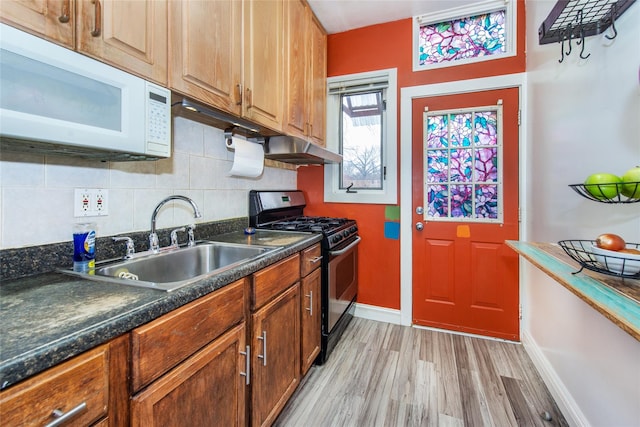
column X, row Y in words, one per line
column 563, row 398
column 379, row 314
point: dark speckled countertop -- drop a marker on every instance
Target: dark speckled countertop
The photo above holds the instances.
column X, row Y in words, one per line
column 48, row 318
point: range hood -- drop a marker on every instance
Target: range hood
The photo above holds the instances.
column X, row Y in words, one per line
column 283, row 148
column 290, row 149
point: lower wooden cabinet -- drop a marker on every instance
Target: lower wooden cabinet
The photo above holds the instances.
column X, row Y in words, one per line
column 207, row 389
column 310, row 322
column 89, row 388
column 275, row 365
column 192, row 366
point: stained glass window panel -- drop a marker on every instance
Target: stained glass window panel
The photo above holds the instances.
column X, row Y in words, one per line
column 462, row 180
column 461, row 201
column 438, row 201
column 486, row 165
column 461, row 165
column 461, row 130
column 438, row 131
column 486, row 123
column 438, row 165
column 487, row 201
column 463, row 38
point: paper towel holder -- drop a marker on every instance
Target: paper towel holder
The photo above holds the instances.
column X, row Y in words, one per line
column 228, row 135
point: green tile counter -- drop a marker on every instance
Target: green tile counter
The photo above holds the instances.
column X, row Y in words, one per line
column 51, row 317
column 616, row 298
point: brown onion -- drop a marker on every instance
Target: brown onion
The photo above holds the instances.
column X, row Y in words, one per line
column 610, row 242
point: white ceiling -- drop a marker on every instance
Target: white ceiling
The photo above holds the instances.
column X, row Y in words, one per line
column 341, row 15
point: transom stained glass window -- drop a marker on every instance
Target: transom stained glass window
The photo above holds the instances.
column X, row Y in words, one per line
column 462, row 165
column 462, row 38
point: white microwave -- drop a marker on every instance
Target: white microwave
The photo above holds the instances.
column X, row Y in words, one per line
column 54, row 100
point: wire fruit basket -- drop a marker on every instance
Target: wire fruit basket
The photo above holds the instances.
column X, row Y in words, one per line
column 618, row 192
column 589, row 256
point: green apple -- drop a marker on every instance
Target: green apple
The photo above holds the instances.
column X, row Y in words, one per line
column 632, row 176
column 602, row 185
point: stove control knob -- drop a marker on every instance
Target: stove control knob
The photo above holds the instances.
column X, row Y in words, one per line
column 353, row 229
column 345, row 233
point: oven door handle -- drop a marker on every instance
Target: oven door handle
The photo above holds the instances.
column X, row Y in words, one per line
column 351, row 245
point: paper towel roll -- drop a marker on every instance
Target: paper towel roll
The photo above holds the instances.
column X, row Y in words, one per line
column 248, row 160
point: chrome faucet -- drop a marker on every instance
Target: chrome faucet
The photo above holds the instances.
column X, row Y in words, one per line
column 154, row 244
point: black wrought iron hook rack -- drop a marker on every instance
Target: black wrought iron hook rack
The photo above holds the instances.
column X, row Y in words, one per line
column 571, row 20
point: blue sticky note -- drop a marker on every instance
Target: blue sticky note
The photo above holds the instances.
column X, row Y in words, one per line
column 392, row 230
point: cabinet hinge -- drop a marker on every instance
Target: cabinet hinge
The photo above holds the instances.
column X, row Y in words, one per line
column 519, row 117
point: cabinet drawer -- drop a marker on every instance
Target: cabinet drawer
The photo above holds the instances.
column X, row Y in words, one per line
column 167, row 341
column 269, row 282
column 311, row 258
column 81, row 381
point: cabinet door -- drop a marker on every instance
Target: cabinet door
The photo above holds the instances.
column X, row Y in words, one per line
column 275, row 365
column 206, row 389
column 53, row 20
column 205, row 51
column 296, row 118
column 310, row 319
column 264, row 62
column 318, row 64
column 129, row 34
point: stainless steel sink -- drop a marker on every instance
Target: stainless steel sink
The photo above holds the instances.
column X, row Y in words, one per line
column 176, row 267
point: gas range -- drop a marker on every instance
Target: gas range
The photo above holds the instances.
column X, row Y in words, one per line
column 284, row 211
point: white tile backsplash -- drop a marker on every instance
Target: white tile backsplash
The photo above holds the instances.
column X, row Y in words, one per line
column 63, row 172
column 36, row 194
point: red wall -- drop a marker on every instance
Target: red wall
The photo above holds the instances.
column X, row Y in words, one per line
column 373, row 48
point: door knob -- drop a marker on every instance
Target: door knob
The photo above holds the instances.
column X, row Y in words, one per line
column 419, row 226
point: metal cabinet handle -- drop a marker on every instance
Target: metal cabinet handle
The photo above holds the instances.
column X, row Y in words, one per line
column 97, row 20
column 64, row 17
column 310, row 309
column 239, row 87
column 247, row 365
column 249, row 98
column 341, row 251
column 62, row 417
column 316, row 259
column 263, row 356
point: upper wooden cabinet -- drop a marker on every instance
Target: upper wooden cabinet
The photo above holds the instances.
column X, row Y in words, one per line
column 306, row 72
column 210, row 62
column 53, row 20
column 129, row 34
column 318, row 82
column 205, row 51
column 264, row 62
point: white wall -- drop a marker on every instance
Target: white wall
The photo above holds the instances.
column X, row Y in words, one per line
column 583, row 117
column 36, row 203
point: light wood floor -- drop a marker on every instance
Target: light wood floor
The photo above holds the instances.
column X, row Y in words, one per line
column 388, row 375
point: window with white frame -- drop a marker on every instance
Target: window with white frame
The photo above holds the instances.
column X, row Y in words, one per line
column 479, row 32
column 361, row 126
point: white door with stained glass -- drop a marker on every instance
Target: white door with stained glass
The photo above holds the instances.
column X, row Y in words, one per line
column 465, row 182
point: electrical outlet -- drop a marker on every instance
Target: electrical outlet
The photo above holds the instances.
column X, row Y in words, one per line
column 90, row 202
column 101, row 202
